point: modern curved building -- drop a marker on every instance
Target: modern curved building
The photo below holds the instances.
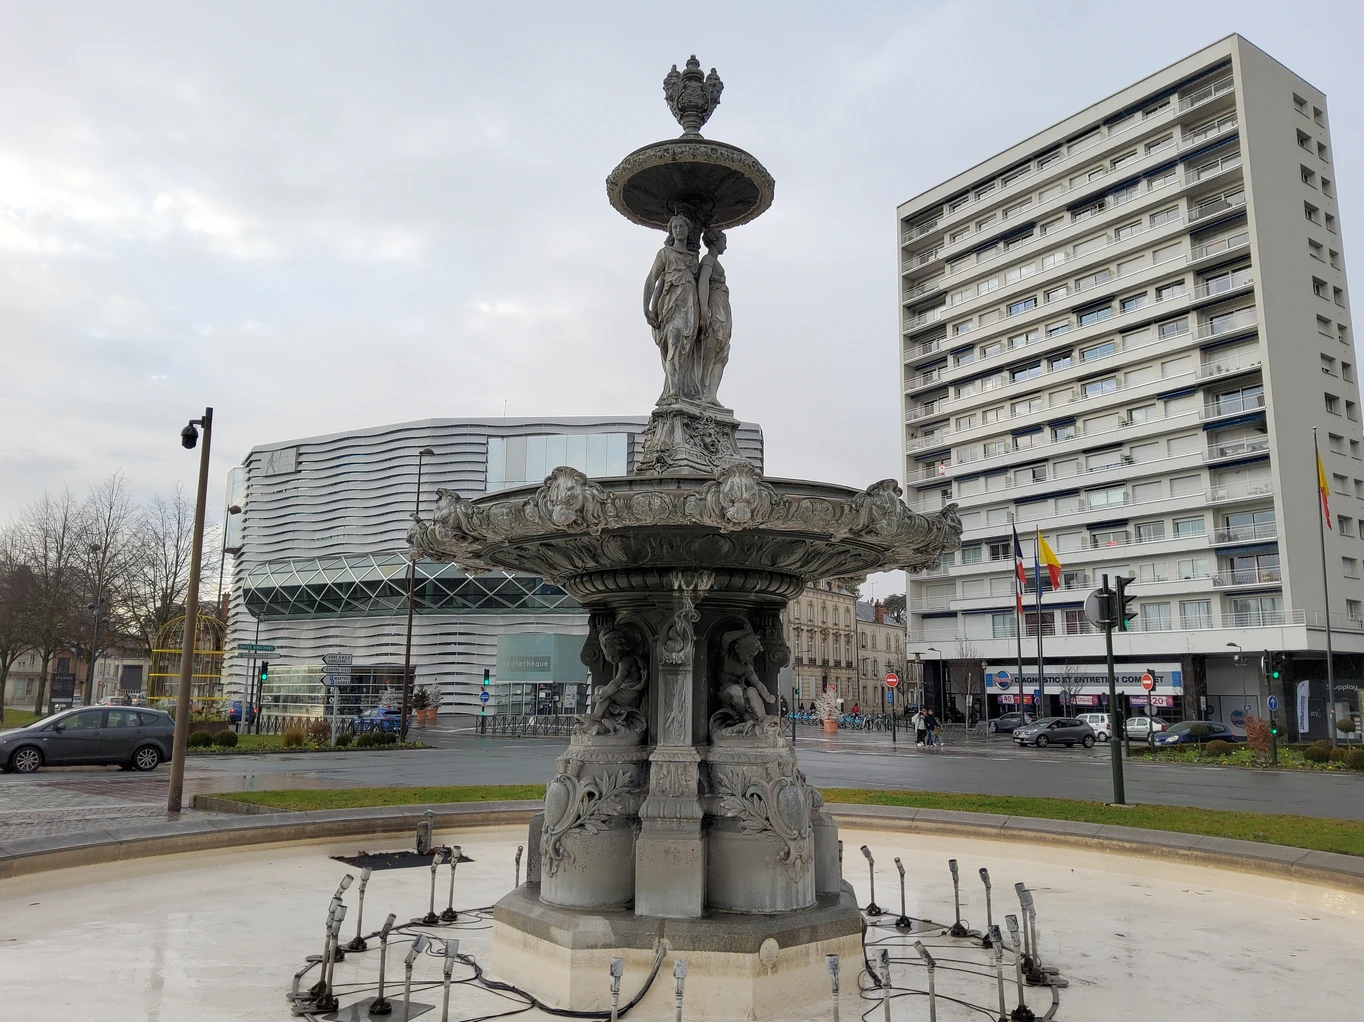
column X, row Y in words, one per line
column 320, row 564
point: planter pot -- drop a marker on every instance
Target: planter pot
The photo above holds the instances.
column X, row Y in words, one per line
column 431, row 715
column 830, row 726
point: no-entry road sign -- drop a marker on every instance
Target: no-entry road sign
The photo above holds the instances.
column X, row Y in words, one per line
column 892, row 680
column 1148, row 682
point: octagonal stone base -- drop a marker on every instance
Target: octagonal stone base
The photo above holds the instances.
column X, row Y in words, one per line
column 562, row 956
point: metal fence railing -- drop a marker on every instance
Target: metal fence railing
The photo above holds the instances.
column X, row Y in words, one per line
column 278, row 723
column 526, row 724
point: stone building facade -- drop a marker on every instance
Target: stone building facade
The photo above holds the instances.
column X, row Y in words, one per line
column 821, row 628
column 880, row 650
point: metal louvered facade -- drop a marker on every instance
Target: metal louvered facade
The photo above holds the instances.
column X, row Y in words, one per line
column 319, row 561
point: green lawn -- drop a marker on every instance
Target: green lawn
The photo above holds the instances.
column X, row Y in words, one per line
column 305, row 799
column 19, row 718
column 1345, row 836
column 249, row 744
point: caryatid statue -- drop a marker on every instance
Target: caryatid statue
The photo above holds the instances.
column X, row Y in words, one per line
column 716, row 325
column 672, row 309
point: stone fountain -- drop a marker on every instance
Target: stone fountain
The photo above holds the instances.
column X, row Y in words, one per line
column 678, row 822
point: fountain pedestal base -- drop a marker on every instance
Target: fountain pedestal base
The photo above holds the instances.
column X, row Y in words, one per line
column 739, row 966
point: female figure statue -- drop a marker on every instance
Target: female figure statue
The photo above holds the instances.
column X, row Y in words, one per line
column 716, row 325
column 672, row 310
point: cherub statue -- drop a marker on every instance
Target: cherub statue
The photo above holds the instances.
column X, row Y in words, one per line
column 743, row 697
column 616, row 704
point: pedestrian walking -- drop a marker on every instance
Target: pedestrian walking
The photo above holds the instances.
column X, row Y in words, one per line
column 917, row 723
column 930, row 728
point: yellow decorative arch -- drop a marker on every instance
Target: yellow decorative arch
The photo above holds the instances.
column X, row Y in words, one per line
column 206, row 681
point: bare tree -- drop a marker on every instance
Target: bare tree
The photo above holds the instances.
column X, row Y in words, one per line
column 105, row 555
column 973, row 674
column 16, row 583
column 153, row 589
column 1070, row 685
column 48, row 536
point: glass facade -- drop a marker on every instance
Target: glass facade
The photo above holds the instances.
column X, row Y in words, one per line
column 525, row 460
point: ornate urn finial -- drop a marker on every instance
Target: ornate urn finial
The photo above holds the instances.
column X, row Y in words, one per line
column 691, row 96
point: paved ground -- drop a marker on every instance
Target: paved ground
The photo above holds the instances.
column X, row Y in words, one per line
column 66, row 800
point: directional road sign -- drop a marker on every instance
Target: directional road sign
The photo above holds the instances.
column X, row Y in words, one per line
column 255, row 647
column 892, row 680
column 1148, row 682
column 483, row 696
column 1273, row 703
column 337, row 659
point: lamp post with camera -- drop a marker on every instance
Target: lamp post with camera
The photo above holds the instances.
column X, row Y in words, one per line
column 189, row 438
column 424, row 453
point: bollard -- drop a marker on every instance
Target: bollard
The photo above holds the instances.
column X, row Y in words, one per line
column 831, row 963
column 519, row 850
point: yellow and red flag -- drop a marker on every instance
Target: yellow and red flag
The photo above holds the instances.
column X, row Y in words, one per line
column 1045, row 555
column 1321, row 488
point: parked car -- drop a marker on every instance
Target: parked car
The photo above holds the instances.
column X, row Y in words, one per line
column 379, row 718
column 1055, row 731
column 1141, row 727
column 1194, row 732
column 1102, row 724
column 952, row 715
column 138, row 738
column 234, row 713
column 1008, row 722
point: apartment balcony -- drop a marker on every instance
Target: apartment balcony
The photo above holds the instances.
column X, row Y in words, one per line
column 1247, row 578
column 1207, row 94
column 1232, row 404
column 1246, row 533
column 916, row 290
column 1238, row 448
column 1199, row 625
column 1213, row 207
column 1224, row 286
column 925, row 318
column 1240, row 239
column 967, row 209
column 1242, row 363
column 1240, row 491
column 1227, row 323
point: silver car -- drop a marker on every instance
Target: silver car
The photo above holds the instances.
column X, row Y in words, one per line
column 136, row 738
column 1046, row 731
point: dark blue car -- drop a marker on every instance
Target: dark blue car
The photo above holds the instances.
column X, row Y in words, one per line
column 1196, row 732
column 379, row 718
column 234, row 713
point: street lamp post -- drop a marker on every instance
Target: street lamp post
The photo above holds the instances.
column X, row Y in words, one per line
column 425, row 452
column 96, row 607
column 189, row 436
column 1245, row 700
column 942, row 688
column 232, row 509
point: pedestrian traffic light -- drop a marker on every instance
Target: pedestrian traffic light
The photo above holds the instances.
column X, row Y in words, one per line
column 1123, row 604
column 265, row 670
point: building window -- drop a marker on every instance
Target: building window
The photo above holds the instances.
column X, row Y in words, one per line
column 1132, row 302
column 1189, row 526
column 971, row 554
column 1150, row 532
column 1060, row 433
column 1165, row 216
column 1097, row 388
column 1102, row 350
column 1332, row 404
column 1097, row 315
column 1022, row 305
column 1195, row 614
column 1155, row 617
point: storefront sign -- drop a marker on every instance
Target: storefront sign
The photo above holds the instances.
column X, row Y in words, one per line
column 1087, row 678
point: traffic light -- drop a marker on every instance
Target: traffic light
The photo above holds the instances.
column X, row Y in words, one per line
column 1273, row 725
column 264, row 671
column 1122, row 603
column 1278, row 662
column 483, row 709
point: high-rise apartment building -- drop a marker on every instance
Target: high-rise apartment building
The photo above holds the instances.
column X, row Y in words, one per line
column 1122, row 332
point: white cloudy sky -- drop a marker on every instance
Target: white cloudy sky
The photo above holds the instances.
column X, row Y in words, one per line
column 315, row 216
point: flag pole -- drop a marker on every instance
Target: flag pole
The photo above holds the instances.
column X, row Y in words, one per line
column 1018, row 618
column 1037, row 579
column 1326, row 596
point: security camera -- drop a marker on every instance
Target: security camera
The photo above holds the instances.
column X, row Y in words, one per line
column 189, row 437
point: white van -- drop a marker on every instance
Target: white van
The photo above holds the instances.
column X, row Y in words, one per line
column 1103, row 727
